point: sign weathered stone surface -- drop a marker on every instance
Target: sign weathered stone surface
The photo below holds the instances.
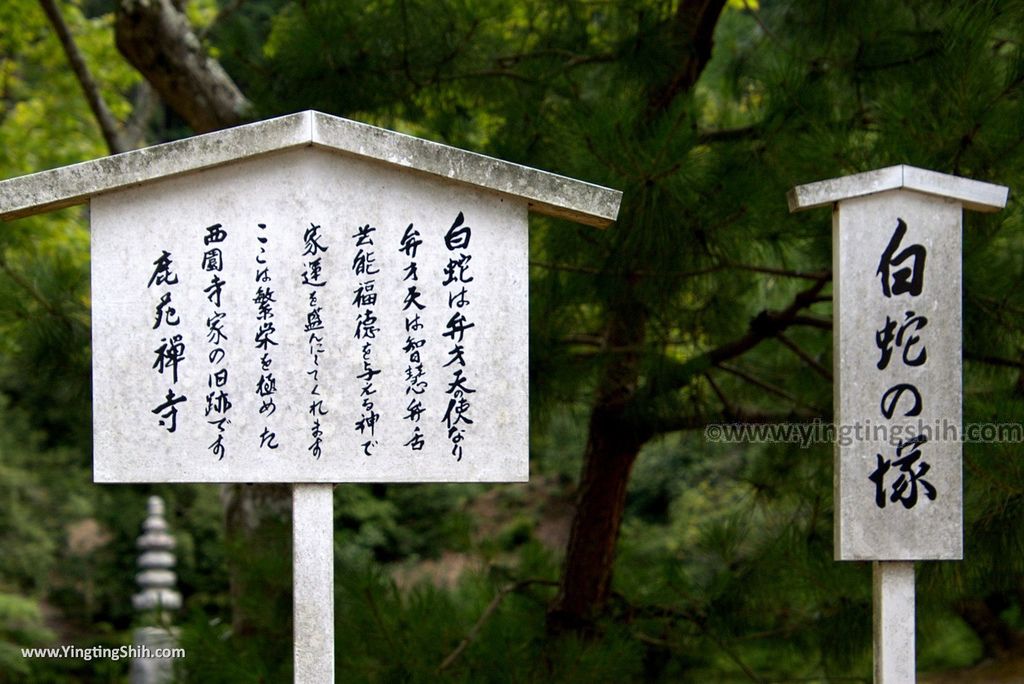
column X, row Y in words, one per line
column 897, row 337
column 309, row 317
column 309, row 300
column 896, row 267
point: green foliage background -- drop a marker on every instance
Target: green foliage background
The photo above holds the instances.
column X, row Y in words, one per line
column 725, row 568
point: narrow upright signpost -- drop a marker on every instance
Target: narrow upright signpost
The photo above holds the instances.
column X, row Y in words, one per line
column 309, row 300
column 313, row 581
column 896, row 273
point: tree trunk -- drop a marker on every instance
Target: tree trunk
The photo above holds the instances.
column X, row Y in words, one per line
column 612, row 447
column 982, row 615
column 158, row 39
column 614, row 438
column 587, row 576
column 257, row 532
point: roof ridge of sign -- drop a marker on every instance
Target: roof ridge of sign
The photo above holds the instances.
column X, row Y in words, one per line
column 973, row 194
column 545, row 192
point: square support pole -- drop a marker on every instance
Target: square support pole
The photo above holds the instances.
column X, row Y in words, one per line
column 313, row 568
column 894, row 621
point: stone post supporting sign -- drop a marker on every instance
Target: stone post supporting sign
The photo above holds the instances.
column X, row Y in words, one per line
column 309, row 300
column 897, row 290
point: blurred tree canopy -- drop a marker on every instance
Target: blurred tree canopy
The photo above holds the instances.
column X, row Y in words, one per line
column 706, row 303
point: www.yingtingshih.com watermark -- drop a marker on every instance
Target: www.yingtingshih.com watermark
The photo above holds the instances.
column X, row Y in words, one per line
column 821, row 432
column 102, row 652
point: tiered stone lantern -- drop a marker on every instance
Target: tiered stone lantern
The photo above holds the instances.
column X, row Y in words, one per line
column 156, row 577
column 156, row 600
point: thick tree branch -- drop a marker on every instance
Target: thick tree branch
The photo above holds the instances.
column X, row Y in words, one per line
column 814, row 322
column 157, row 38
column 109, row 125
column 727, row 406
column 765, row 325
column 804, row 356
column 692, row 30
column 757, row 382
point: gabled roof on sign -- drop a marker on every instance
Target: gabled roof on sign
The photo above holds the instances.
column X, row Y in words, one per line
column 546, row 193
column 973, row 194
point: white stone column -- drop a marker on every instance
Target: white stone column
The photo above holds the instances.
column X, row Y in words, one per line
column 313, row 568
column 894, row 621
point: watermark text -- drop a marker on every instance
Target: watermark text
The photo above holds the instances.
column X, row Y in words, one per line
column 821, row 432
column 88, row 653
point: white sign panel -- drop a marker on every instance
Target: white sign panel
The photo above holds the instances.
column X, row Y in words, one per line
column 897, row 293
column 309, row 317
